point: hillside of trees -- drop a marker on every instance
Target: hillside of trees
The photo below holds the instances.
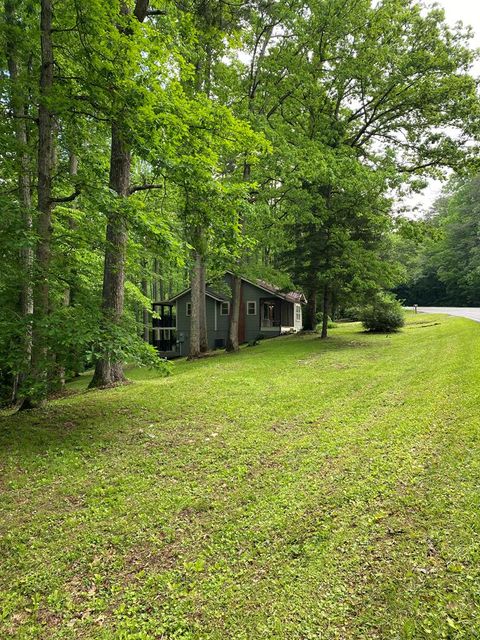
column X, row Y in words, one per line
column 442, row 259
column 146, row 144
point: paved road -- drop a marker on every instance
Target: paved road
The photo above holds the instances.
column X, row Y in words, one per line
column 473, row 313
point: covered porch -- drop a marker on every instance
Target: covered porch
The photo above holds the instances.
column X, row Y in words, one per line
column 164, row 329
column 276, row 315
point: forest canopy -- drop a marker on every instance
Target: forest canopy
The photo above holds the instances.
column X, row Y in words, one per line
column 442, row 260
column 146, row 145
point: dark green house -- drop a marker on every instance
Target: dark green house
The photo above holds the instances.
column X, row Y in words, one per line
column 264, row 310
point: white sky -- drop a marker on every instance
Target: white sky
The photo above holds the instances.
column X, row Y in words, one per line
column 468, row 12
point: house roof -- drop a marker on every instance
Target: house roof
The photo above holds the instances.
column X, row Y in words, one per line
column 291, row 296
column 208, row 291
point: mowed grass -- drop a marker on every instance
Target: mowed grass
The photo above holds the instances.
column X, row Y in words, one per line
column 299, row 490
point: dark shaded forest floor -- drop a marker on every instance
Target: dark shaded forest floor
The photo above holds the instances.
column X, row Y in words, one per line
column 299, row 490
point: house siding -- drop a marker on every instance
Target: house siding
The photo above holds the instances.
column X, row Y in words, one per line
column 252, row 323
column 183, row 322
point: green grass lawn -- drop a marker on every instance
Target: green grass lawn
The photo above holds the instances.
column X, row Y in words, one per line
column 299, row 490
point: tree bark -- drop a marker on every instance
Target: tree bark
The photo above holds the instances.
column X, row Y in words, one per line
column 17, row 102
column 232, row 341
column 45, row 158
column 45, row 163
column 326, row 309
column 145, row 311
column 194, row 351
column 108, row 369
column 157, row 293
column 67, row 293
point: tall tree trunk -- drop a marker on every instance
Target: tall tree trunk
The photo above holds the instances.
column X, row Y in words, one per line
column 44, row 195
column 232, row 341
column 157, row 295
column 109, row 370
column 17, row 101
column 67, row 293
column 161, row 288
column 145, row 312
column 45, row 159
column 326, row 309
column 311, row 311
column 203, row 309
column 194, row 351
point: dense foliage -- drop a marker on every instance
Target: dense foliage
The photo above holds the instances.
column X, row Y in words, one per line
column 147, row 144
column 443, row 262
column 384, row 314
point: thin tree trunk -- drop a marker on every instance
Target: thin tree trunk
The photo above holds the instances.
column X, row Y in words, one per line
column 24, row 194
column 232, row 341
column 194, row 351
column 161, row 289
column 67, row 293
column 157, row 295
column 326, row 309
column 45, row 158
column 203, row 309
column 145, row 311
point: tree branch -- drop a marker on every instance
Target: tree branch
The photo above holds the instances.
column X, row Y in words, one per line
column 69, row 198
column 145, row 187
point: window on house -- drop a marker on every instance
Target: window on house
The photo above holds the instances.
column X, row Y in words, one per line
column 224, row 308
column 188, row 309
column 298, row 313
column 251, row 308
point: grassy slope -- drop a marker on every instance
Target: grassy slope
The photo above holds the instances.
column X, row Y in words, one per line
column 299, row 490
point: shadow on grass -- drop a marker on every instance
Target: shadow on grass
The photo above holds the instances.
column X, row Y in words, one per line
column 92, row 419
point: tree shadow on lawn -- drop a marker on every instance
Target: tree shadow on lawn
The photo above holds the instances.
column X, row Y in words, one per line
column 95, row 420
column 92, row 426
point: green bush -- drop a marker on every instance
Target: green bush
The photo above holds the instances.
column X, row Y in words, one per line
column 383, row 315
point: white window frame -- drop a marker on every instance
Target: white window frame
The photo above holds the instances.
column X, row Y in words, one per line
column 298, row 313
column 221, row 308
column 188, row 309
column 254, row 302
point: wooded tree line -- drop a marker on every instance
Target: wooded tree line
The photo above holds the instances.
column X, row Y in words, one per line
column 148, row 144
column 441, row 254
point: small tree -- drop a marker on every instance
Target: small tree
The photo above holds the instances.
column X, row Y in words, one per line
column 383, row 315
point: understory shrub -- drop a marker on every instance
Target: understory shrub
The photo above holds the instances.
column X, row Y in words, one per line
column 383, row 315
